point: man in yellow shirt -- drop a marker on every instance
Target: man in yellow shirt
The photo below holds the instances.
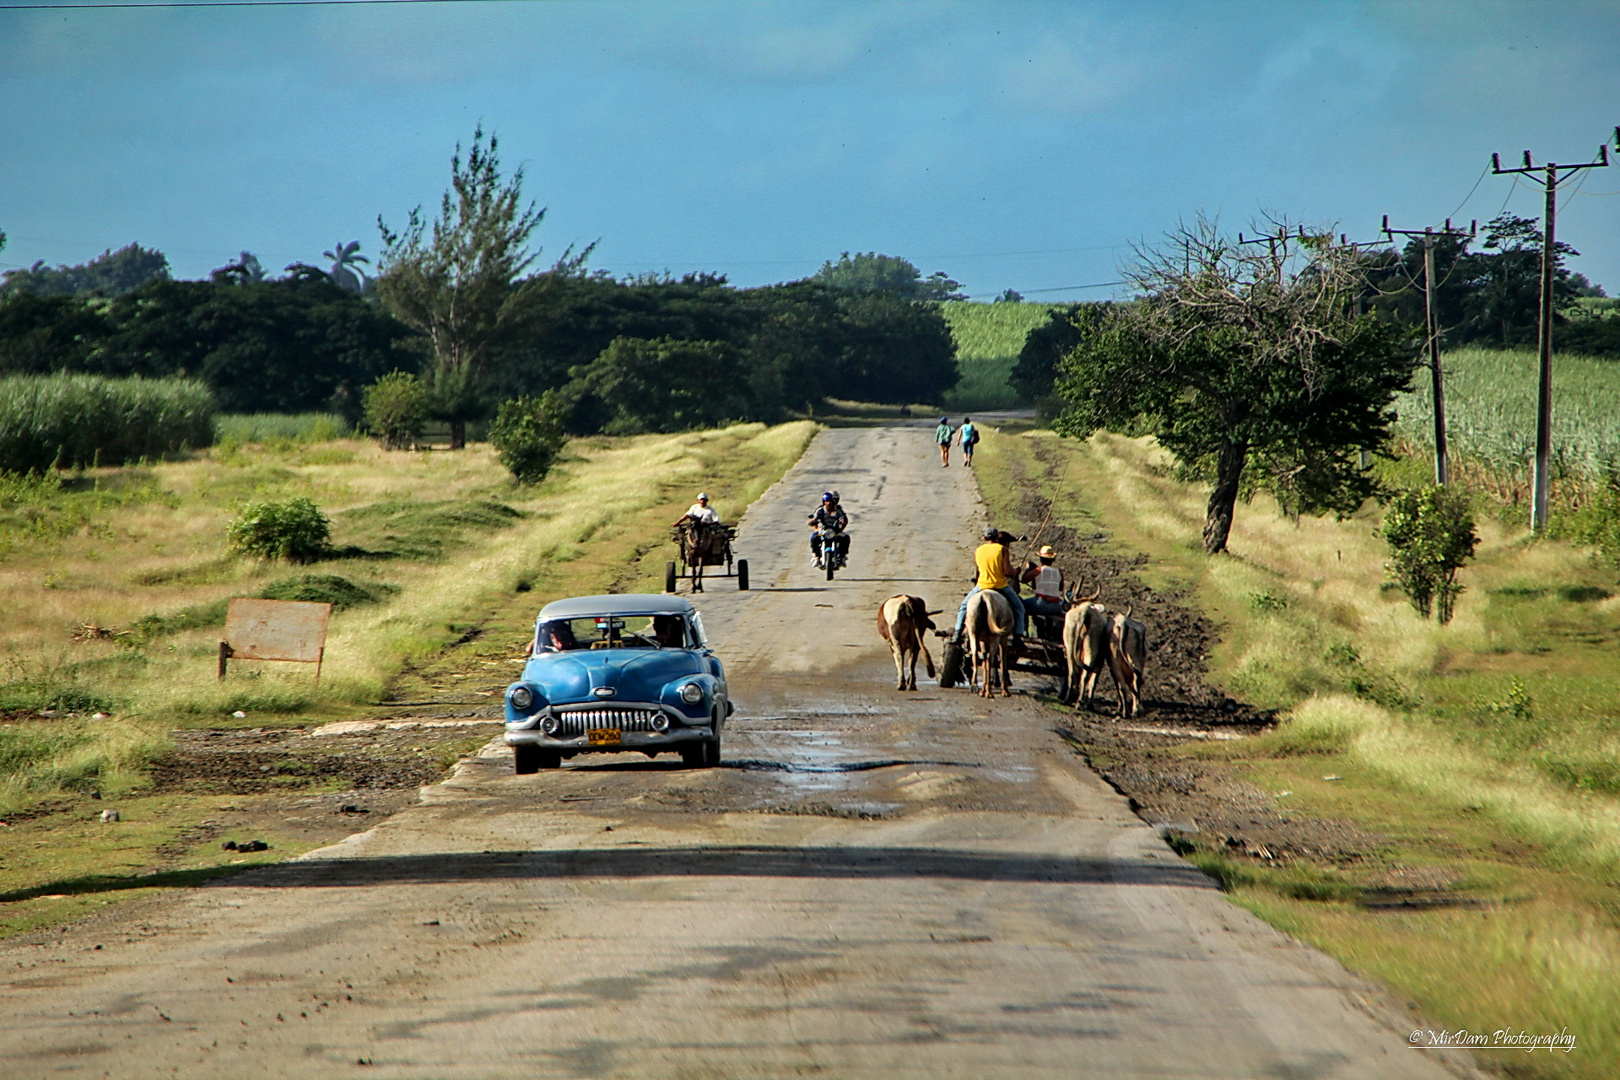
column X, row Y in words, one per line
column 995, row 572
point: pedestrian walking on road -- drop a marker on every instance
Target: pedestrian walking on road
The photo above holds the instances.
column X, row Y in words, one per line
column 942, row 435
column 969, row 439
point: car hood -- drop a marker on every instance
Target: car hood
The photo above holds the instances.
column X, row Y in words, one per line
column 633, row 675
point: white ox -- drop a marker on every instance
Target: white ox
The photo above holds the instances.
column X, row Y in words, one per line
column 1127, row 660
column 989, row 640
column 1085, row 644
column 902, row 621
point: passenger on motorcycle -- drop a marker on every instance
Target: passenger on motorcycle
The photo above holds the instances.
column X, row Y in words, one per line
column 995, row 572
column 829, row 515
column 1047, row 581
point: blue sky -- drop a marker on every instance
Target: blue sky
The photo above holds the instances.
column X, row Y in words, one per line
column 1022, row 145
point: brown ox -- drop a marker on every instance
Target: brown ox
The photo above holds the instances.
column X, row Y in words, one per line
column 989, row 640
column 1085, row 645
column 1127, row 660
column 903, row 620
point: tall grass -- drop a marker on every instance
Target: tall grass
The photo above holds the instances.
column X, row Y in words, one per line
column 988, row 340
column 288, row 427
column 1491, row 414
column 74, row 421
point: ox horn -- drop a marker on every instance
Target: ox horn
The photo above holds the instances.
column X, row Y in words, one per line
column 1093, row 597
column 1128, row 609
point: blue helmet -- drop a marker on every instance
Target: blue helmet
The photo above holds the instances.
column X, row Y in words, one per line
column 829, row 496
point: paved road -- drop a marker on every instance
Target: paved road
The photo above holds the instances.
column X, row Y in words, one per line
column 877, row 885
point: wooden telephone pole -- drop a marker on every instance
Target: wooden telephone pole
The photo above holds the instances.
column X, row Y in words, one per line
column 1442, row 468
column 1548, row 179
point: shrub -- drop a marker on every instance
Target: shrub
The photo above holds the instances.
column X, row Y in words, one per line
column 288, row 427
column 340, row 592
column 294, row 530
column 528, row 434
column 74, row 421
column 396, row 408
column 1430, row 532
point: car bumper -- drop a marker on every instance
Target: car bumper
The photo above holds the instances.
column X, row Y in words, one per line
column 628, row 740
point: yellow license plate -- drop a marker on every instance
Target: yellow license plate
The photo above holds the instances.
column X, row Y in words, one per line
column 600, row 736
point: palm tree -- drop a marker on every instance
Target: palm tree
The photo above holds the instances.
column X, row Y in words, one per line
column 344, row 257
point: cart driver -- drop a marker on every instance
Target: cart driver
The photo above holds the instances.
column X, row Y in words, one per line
column 701, row 512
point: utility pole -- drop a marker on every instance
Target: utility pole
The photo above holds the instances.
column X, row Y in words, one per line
column 1549, row 180
column 1442, row 468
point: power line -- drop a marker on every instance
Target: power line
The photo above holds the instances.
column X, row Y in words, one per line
column 237, row 3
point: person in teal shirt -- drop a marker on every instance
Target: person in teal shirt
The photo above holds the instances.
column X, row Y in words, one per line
column 970, row 439
column 942, row 435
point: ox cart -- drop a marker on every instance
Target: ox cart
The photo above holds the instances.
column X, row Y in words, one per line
column 701, row 546
column 1037, row 655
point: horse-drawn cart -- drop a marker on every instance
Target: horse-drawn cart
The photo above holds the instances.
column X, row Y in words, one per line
column 704, row 545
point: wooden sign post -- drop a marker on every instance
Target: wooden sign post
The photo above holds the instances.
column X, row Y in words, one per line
column 293, row 630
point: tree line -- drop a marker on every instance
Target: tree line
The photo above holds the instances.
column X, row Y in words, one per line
column 460, row 301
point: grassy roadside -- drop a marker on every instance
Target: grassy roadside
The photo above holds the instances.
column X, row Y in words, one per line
column 455, row 559
column 1481, row 755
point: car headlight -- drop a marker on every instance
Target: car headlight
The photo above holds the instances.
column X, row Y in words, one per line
column 691, row 693
column 660, row 723
column 521, row 697
column 550, row 725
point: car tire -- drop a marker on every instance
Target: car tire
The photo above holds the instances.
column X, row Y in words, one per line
column 527, row 758
column 692, row 755
column 711, row 749
column 742, row 575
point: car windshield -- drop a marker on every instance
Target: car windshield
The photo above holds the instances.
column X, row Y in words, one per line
column 611, row 632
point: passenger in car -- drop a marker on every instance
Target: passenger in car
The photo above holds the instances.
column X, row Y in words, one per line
column 668, row 631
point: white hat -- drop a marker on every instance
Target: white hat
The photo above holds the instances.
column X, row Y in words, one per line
column 703, row 496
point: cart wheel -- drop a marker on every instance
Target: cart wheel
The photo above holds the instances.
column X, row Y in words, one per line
column 742, row 575
column 669, row 577
column 950, row 665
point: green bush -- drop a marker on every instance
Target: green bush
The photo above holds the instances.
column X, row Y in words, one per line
column 74, row 421
column 1430, row 532
column 528, row 434
column 294, row 530
column 396, row 408
column 1598, row 521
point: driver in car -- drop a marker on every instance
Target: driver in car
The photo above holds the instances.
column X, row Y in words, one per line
column 556, row 637
column 828, row 515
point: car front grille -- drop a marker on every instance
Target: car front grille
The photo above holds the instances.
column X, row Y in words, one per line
column 576, row 721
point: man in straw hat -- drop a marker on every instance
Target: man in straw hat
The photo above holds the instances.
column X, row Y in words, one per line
column 1047, row 581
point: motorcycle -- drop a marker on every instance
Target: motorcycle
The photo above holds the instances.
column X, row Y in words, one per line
column 832, row 558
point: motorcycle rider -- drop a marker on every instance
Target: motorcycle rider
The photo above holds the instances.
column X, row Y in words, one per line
column 829, row 515
column 995, row 572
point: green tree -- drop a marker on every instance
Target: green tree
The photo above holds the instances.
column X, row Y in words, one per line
column 869, row 272
column 1035, row 374
column 638, row 385
column 1430, row 532
column 112, row 273
column 1238, row 355
column 396, row 407
column 460, row 284
column 529, row 433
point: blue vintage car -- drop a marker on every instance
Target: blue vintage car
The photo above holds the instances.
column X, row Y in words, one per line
column 614, row 673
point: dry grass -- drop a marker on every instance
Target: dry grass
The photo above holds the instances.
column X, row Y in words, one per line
column 585, row 527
